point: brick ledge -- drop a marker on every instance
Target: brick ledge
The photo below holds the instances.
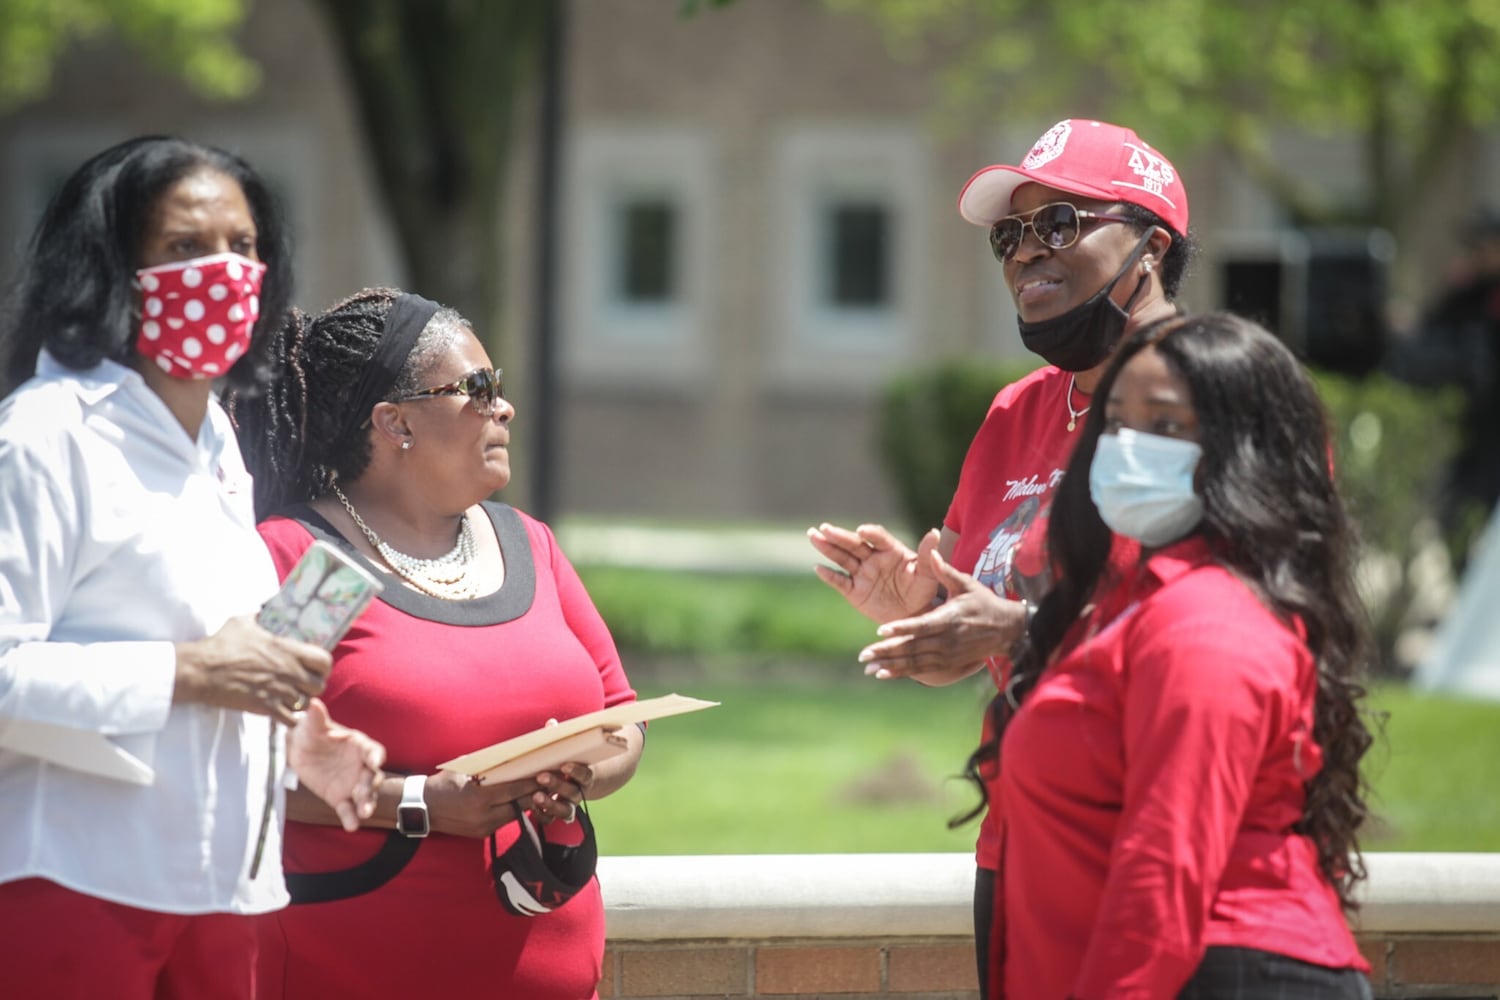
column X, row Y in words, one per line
column 892, row 896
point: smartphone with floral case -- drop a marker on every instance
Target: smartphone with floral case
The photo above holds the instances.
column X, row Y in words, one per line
column 320, row 597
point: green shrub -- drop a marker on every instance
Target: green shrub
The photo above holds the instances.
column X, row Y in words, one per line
column 1392, row 446
column 726, row 616
column 927, row 420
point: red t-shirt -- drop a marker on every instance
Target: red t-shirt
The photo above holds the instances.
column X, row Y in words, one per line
column 1148, row 790
column 433, row 679
column 1000, row 507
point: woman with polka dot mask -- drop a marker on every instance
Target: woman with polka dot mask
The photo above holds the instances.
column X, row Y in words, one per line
column 146, row 721
column 197, row 315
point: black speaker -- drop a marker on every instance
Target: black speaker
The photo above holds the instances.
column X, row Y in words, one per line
column 1322, row 291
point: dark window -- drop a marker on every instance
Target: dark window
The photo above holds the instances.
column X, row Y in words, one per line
column 648, row 251
column 859, row 242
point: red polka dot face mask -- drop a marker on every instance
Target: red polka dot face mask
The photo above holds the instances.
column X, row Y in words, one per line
column 196, row 315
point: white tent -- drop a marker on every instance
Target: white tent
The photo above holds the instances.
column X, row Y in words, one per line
column 1465, row 655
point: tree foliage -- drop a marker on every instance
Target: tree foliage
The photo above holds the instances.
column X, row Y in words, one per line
column 1406, row 76
column 190, row 39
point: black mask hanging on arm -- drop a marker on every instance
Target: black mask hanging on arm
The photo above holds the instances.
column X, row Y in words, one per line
column 1085, row 335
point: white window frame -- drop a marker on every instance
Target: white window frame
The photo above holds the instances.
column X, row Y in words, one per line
column 607, row 339
column 817, row 345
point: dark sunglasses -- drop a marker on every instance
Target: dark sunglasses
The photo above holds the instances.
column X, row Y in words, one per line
column 1056, row 227
column 482, row 386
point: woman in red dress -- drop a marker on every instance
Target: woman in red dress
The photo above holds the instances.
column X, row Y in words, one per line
column 386, row 436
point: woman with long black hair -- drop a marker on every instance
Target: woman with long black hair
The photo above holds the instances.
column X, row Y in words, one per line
column 1176, row 766
column 144, row 715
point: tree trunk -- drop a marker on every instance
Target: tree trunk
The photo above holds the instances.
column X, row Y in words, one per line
column 436, row 84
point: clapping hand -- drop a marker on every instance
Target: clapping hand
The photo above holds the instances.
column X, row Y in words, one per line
column 953, row 639
column 880, row 577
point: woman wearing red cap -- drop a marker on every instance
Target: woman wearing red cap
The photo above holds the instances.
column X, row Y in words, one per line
column 1091, row 231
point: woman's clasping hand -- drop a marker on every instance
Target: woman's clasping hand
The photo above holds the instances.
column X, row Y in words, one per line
column 878, row 575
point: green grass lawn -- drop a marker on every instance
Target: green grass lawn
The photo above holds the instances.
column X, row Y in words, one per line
column 1436, row 774
column 833, row 762
column 817, row 765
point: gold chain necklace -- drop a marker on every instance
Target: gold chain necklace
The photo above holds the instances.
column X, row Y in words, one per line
column 446, row 577
column 1073, row 414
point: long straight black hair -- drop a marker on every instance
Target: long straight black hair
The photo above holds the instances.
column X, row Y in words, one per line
column 1271, row 514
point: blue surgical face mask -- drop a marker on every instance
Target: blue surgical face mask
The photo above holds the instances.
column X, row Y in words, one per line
column 1143, row 486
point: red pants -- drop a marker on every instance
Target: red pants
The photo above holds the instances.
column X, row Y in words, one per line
column 58, row 944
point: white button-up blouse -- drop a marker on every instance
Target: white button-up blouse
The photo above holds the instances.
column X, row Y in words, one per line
column 119, row 536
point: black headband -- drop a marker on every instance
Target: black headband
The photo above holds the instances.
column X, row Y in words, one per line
column 409, row 315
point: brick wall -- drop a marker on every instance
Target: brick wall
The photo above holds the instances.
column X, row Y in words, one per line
column 936, row 969
column 1433, row 966
column 860, row 927
column 1401, row 966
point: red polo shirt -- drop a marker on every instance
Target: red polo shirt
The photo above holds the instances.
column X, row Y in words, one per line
column 1148, row 790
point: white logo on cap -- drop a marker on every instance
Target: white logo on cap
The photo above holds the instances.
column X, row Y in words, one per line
column 1049, row 147
column 1155, row 173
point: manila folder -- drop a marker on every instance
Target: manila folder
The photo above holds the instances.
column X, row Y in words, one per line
column 587, row 739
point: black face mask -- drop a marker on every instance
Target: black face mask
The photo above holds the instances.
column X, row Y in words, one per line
column 535, row 876
column 1085, row 335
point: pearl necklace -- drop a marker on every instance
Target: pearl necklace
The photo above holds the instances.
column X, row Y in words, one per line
column 446, row 577
column 1073, row 414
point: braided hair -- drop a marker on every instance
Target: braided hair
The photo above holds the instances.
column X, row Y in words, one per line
column 296, row 433
column 1271, row 514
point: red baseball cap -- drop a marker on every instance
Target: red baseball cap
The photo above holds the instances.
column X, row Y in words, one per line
column 1089, row 158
